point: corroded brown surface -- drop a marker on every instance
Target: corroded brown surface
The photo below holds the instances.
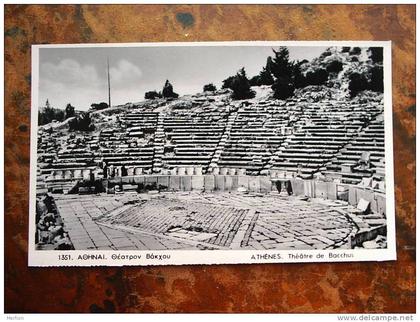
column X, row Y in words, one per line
column 341, row 287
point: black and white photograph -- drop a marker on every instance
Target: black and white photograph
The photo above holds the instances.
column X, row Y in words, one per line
column 278, row 150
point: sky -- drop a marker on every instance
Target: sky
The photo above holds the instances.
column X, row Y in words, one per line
column 79, row 75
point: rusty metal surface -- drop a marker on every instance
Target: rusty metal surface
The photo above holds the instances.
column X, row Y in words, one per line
column 341, row 287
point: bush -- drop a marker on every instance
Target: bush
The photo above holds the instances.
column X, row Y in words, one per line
column 240, row 86
column 209, row 88
column 335, row 66
column 357, row 83
column 317, row 77
column 152, row 95
column 168, row 91
column 83, row 122
column 355, row 51
column 100, row 106
column 326, row 53
column 345, row 49
column 354, row 59
column 227, row 83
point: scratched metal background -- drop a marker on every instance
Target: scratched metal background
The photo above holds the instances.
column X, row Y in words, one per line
column 342, row 287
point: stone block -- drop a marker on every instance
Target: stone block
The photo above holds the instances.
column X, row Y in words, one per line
column 197, row 183
column 228, row 183
column 321, row 189
column 138, row 171
column 175, row 183
column 219, row 183
column 163, row 181
column 254, row 184
column 186, row 183
column 381, row 203
column 235, row 185
column 309, row 188
column 209, row 183
column 243, row 182
column 265, row 184
column 139, row 179
column 150, row 180
column 297, row 187
column 353, row 196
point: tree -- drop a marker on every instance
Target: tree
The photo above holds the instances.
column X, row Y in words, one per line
column 282, row 89
column 280, row 65
column 209, row 88
column 298, row 78
column 48, row 114
column 283, row 70
column 376, row 82
column 376, row 54
column 265, row 77
column 151, row 95
column 168, row 91
column 255, row 81
column 69, row 111
column 240, row 86
column 345, row 49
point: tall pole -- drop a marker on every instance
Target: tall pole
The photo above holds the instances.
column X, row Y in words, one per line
column 109, row 84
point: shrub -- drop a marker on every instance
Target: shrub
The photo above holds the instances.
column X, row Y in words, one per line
column 152, row 95
column 335, row 66
column 345, row 49
column 355, row 51
column 316, row 77
column 100, row 106
column 82, row 122
column 227, row 83
column 209, row 88
column 357, row 83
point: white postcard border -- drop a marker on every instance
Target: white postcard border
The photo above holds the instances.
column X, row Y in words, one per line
column 185, row 257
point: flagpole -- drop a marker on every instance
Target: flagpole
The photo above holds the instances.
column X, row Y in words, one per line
column 109, row 84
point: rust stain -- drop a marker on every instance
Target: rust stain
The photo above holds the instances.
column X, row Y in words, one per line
column 343, row 287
